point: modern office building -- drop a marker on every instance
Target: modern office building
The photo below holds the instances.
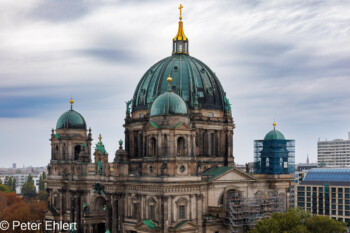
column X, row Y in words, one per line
column 326, row 192
column 21, row 178
column 333, row 153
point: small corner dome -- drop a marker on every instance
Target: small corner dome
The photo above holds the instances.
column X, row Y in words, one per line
column 168, row 103
column 71, row 120
column 274, row 135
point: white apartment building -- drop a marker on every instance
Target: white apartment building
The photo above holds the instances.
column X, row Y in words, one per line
column 334, row 153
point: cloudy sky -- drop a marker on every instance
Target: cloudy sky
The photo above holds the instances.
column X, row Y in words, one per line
column 287, row 61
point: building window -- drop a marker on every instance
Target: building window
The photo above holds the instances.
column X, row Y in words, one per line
column 135, row 210
column 153, row 147
column 182, row 214
column 211, row 114
column 76, row 152
column 152, row 212
column 180, row 146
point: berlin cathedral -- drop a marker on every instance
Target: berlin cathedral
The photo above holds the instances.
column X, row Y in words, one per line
column 174, row 171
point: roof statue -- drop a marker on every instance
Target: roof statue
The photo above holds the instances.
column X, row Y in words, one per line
column 128, row 103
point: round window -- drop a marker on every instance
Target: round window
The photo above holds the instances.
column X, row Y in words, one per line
column 151, row 169
column 182, row 168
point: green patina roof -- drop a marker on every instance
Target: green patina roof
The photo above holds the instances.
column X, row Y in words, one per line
column 274, row 135
column 168, row 103
column 150, row 224
column 216, row 171
column 100, row 147
column 180, row 224
column 193, row 80
column 71, row 120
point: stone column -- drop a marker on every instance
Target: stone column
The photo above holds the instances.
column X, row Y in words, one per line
column 114, row 214
column 144, row 151
column 122, row 208
column 108, row 211
column 172, row 209
column 199, row 207
column 144, row 206
column 188, row 143
column 190, row 204
column 217, row 143
column 159, row 145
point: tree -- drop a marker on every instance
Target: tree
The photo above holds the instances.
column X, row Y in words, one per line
column 42, row 181
column 12, row 207
column 0, row 181
column 13, row 185
column 298, row 221
column 9, row 182
column 4, row 188
column 44, row 175
column 42, row 196
column 28, row 188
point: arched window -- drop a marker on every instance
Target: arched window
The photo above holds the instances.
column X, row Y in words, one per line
column 180, row 146
column 153, row 147
column 281, row 163
column 267, row 162
column 77, row 150
column 151, row 209
column 182, row 204
column 100, row 205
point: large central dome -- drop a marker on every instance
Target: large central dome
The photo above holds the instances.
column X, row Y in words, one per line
column 194, row 81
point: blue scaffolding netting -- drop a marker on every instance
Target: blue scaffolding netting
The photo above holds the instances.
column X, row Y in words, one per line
column 274, row 156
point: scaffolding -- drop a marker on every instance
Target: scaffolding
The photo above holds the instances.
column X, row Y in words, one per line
column 243, row 213
column 274, row 156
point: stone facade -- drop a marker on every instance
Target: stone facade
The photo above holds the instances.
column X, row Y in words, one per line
column 161, row 184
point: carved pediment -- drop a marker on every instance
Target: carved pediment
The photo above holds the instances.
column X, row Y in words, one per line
column 226, row 174
column 148, row 226
column 185, row 226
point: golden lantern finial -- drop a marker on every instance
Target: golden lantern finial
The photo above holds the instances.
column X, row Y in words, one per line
column 71, row 103
column 100, row 138
column 274, row 125
column 180, row 8
column 180, row 33
column 169, row 79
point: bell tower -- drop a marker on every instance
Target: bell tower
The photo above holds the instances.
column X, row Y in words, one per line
column 70, row 144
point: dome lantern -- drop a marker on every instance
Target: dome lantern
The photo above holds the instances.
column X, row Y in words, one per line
column 274, row 134
column 180, row 41
column 71, row 119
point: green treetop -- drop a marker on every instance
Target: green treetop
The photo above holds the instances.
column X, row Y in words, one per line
column 28, row 188
column 298, row 221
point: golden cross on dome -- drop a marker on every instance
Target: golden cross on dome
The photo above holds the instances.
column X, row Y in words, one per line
column 180, row 8
column 100, row 138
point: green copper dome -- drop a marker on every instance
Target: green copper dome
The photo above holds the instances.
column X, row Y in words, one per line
column 71, row 120
column 192, row 80
column 274, row 135
column 168, row 103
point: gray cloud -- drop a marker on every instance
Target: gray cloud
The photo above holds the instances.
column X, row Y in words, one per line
column 282, row 60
